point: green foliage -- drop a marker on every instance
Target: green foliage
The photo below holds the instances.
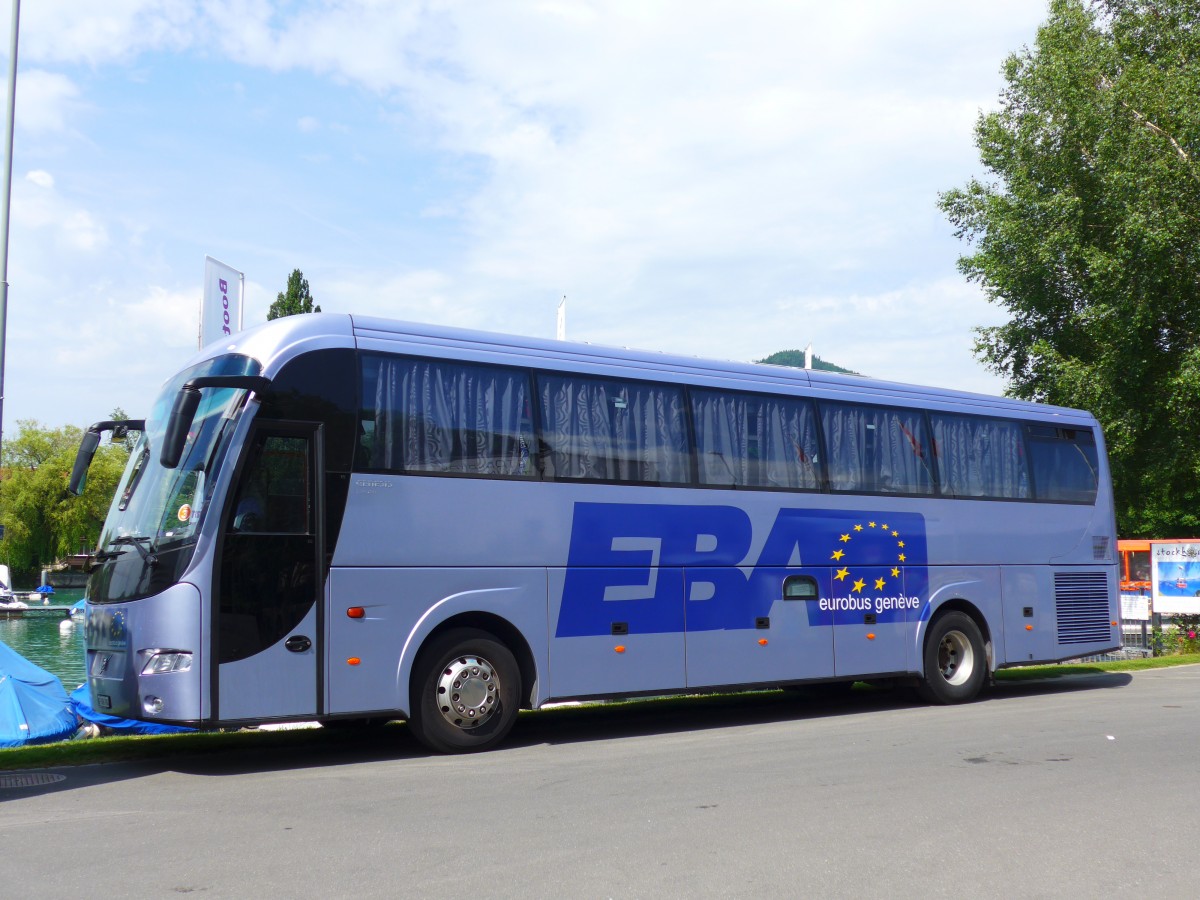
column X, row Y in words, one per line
column 41, row 520
column 1089, row 237
column 795, row 359
column 1180, row 635
column 295, row 300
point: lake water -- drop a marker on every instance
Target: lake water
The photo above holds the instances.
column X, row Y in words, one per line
column 40, row 639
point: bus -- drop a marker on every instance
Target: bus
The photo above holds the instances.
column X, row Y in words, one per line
column 343, row 518
column 1134, row 560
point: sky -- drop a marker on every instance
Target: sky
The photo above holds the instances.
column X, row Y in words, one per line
column 720, row 179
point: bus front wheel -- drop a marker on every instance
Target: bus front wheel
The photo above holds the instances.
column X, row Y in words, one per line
column 466, row 686
column 955, row 661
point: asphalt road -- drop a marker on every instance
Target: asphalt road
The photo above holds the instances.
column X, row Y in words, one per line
column 1040, row 790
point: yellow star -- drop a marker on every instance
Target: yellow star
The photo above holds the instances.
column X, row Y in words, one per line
column 900, row 543
column 859, row 585
column 841, row 574
column 895, row 572
column 838, row 554
column 903, row 557
column 884, row 526
column 879, row 584
column 894, row 533
column 872, row 524
column 844, row 538
column 858, row 528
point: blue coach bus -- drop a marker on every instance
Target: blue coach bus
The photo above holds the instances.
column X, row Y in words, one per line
column 336, row 517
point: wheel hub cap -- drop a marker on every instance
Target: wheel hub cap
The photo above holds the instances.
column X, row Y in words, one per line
column 468, row 692
column 956, row 658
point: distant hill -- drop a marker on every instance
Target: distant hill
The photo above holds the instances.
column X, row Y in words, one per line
column 795, row 359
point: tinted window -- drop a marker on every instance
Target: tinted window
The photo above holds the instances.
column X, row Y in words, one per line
column 1064, row 464
column 876, row 449
column 755, row 441
column 980, row 457
column 613, row 430
column 422, row 416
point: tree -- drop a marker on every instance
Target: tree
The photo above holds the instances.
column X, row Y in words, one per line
column 42, row 522
column 1089, row 237
column 295, row 300
column 795, row 359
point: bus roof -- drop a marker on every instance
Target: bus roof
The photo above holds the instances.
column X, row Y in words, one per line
column 273, row 343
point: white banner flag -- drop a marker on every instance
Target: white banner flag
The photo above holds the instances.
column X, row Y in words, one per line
column 221, row 308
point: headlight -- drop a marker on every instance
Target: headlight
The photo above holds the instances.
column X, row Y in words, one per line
column 162, row 661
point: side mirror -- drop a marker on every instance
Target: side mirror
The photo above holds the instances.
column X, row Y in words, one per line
column 91, row 440
column 83, row 459
column 187, row 401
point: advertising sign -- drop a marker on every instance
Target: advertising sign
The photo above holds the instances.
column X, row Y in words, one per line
column 221, row 308
column 1175, row 575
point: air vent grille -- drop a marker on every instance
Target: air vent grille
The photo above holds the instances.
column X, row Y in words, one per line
column 1081, row 607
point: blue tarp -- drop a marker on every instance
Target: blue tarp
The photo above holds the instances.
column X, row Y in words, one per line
column 34, row 708
column 83, row 709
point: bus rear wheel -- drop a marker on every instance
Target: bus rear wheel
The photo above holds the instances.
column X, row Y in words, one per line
column 466, row 686
column 955, row 661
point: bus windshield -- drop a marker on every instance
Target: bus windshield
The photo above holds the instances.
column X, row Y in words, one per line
column 157, row 509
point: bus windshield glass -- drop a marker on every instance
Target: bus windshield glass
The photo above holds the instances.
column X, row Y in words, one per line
column 156, row 508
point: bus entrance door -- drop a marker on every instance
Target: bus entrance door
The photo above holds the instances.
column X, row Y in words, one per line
column 268, row 634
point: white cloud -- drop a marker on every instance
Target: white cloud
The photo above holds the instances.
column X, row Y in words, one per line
column 703, row 178
column 110, row 32
column 40, row 177
column 46, row 101
column 38, row 209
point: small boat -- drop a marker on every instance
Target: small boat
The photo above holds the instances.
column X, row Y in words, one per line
column 34, row 708
column 8, row 600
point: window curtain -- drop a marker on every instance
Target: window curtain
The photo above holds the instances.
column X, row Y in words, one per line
column 614, row 431
column 979, row 457
column 444, row 417
column 876, row 449
column 755, row 441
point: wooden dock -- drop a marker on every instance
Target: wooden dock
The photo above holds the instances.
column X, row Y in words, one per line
column 32, row 612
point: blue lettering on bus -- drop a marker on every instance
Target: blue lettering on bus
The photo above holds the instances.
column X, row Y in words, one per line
column 660, row 568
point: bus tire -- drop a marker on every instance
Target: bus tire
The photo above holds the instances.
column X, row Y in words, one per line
column 465, row 694
column 955, row 661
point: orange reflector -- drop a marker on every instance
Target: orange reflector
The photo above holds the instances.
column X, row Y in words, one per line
column 356, row 612
column 1114, row 624
column 620, row 648
column 870, row 637
column 1029, row 628
column 762, row 642
column 353, row 661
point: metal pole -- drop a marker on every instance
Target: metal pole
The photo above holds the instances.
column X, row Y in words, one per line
column 8, row 157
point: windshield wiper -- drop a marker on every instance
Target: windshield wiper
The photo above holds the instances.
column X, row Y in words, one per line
column 135, row 541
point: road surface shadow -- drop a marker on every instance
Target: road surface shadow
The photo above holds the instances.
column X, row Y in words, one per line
column 278, row 751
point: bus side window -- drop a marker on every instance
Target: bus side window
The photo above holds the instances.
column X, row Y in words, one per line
column 875, row 449
column 446, row 417
column 980, row 457
column 1064, row 464
column 600, row 429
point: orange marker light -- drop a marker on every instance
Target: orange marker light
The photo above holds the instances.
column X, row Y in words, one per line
column 1114, row 624
column 353, row 661
column 620, row 648
column 356, row 612
column 762, row 642
column 1029, row 628
column 870, row 636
